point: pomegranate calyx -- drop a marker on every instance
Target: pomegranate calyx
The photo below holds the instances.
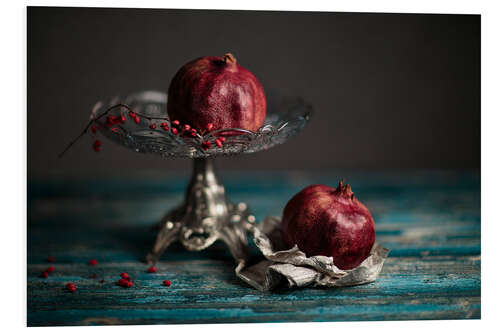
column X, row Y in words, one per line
column 229, row 59
column 345, row 190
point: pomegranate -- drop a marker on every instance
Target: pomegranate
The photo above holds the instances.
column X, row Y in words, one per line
column 322, row 220
column 211, row 93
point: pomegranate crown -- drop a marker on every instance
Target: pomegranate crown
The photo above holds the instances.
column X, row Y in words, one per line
column 345, row 190
column 228, row 58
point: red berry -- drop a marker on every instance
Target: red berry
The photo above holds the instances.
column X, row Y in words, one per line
column 102, row 281
column 97, row 145
column 122, row 282
column 125, row 276
column 50, row 269
column 210, row 126
column 93, row 128
column 174, row 131
column 130, row 284
column 152, row 126
column 51, row 259
column 218, row 143
column 176, row 123
column 131, row 114
column 206, row 145
column 122, row 118
column 167, row 283
column 71, row 287
column 45, row 274
column 152, row 269
column 137, row 119
column 93, row 262
column 164, row 126
column 222, row 139
column 187, row 127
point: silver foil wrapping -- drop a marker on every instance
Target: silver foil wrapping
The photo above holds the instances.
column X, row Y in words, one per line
column 294, row 269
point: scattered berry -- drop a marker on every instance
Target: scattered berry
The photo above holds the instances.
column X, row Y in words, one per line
column 97, row 145
column 152, row 126
column 93, row 129
column 175, row 123
column 210, row 126
column 206, row 145
column 174, row 131
column 71, row 287
column 152, row 269
column 222, row 139
column 45, row 274
column 125, row 283
column 218, row 143
column 110, row 120
column 187, row 127
column 102, row 281
column 93, row 262
column 164, row 126
column 114, row 129
column 50, row 269
column 131, row 114
column 122, row 118
column 51, row 259
column 125, row 276
column 137, row 119
column 167, row 283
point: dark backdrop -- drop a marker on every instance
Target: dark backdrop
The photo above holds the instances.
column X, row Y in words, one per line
column 389, row 90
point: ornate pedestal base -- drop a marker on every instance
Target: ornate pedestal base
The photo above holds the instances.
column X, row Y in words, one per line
column 205, row 216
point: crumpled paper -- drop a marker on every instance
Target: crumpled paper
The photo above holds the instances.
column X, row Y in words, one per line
column 294, row 269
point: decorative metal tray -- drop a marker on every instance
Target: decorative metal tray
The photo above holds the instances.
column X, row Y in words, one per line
column 286, row 117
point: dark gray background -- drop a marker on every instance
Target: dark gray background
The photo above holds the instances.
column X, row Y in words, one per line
column 389, row 90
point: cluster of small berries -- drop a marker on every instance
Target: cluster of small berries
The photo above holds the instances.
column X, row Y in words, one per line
column 176, row 128
column 125, row 280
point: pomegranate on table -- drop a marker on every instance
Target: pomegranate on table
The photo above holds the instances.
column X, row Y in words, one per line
column 322, row 220
column 211, row 93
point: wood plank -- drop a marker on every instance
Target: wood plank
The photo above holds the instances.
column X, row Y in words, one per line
column 430, row 221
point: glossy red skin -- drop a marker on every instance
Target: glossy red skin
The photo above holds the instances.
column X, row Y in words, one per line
column 225, row 94
column 323, row 221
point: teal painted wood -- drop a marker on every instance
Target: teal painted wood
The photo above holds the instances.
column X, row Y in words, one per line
column 430, row 221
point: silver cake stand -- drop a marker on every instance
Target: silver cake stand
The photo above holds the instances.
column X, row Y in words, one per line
column 206, row 215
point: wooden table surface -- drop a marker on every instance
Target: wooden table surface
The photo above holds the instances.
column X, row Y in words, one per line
column 430, row 221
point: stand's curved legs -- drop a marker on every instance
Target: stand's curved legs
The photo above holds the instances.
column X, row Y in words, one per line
column 205, row 217
column 167, row 234
column 235, row 238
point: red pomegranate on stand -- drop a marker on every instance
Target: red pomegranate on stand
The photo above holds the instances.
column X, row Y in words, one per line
column 331, row 222
column 211, row 93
